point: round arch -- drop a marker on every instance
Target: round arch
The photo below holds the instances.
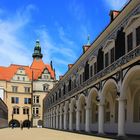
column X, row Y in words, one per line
column 133, row 73
column 72, row 104
column 82, row 99
column 92, row 92
column 110, row 84
column 14, row 123
column 26, row 123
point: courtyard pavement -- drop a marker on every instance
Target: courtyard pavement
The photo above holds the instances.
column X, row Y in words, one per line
column 42, row 134
column 50, row 134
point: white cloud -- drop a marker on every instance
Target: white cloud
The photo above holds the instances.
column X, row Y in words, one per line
column 12, row 49
column 62, row 53
column 77, row 10
column 116, row 4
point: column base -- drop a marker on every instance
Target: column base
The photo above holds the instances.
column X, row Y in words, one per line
column 101, row 134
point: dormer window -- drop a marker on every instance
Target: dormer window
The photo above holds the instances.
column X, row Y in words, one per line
column 18, row 78
column 45, row 87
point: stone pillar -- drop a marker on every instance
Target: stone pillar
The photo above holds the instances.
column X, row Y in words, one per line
column 60, row 121
column 70, row 121
column 78, row 120
column 87, row 119
column 65, row 120
column 121, row 117
column 54, row 121
column 101, row 119
column 51, row 120
column 57, row 120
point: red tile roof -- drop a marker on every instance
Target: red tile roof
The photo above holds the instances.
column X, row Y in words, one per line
column 37, row 67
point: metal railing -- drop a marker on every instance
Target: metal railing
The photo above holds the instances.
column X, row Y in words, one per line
column 118, row 63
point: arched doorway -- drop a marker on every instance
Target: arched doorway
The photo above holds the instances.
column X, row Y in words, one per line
column 26, row 123
column 131, row 95
column 14, row 123
column 73, row 113
column 81, row 108
column 109, row 100
column 92, row 104
column 40, row 123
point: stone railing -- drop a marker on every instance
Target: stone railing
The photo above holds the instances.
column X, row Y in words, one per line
column 118, row 63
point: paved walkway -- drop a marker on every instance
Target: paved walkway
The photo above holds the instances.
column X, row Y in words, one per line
column 42, row 134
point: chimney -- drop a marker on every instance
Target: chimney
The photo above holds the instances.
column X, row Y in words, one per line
column 60, row 77
column 69, row 66
column 113, row 14
column 85, row 48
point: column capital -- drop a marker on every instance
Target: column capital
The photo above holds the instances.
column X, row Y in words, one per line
column 100, row 104
column 121, row 99
column 87, row 108
column 78, row 110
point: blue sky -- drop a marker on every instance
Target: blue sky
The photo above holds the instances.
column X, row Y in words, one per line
column 62, row 26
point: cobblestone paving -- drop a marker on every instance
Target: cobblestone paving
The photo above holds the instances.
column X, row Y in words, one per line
column 42, row 134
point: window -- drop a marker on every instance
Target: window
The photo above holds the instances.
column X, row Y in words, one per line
column 60, row 92
column 27, row 100
column 91, row 71
column 95, row 68
column 27, row 89
column 23, row 78
column 45, row 87
column 112, row 52
column 106, row 60
column 14, row 88
column 80, row 79
column 130, row 42
column 15, row 110
column 138, row 36
column 35, row 111
column 18, row 78
column 25, row 110
column 36, row 99
column 45, row 76
column 14, row 100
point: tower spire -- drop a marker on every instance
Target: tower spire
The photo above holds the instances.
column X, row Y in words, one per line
column 88, row 39
column 37, row 51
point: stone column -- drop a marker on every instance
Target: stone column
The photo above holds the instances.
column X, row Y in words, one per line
column 57, row 120
column 65, row 120
column 121, row 117
column 51, row 120
column 54, row 121
column 70, row 121
column 60, row 121
column 78, row 120
column 87, row 119
column 101, row 119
